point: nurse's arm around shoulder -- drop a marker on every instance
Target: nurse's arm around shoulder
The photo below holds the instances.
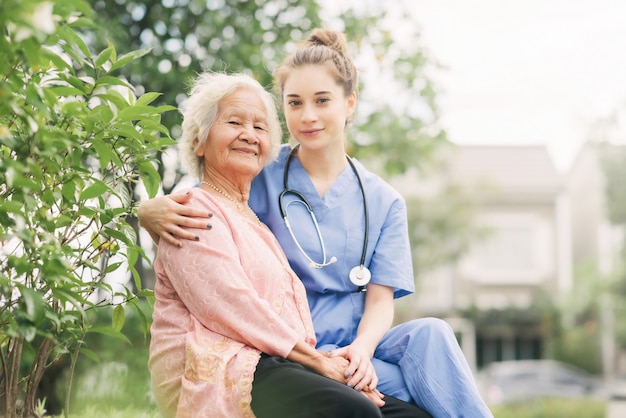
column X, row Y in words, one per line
column 167, row 216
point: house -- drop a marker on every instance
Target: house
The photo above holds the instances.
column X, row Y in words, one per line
column 540, row 223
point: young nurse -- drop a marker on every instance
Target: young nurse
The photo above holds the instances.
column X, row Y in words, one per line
column 344, row 231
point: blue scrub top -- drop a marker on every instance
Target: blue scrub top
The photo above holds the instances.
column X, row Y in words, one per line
column 335, row 305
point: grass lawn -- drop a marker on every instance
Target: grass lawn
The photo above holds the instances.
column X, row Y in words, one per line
column 553, row 408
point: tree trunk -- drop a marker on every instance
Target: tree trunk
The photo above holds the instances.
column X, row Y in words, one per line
column 34, row 377
column 11, row 370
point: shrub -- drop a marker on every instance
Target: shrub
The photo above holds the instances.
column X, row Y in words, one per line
column 75, row 142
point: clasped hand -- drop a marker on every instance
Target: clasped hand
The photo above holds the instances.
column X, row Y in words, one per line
column 357, row 371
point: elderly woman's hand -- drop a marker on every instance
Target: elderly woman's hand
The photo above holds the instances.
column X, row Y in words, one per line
column 335, row 367
column 164, row 216
column 360, row 374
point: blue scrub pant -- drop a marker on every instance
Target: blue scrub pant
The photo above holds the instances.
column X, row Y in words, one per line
column 421, row 362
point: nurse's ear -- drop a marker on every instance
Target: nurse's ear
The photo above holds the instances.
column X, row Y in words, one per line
column 350, row 107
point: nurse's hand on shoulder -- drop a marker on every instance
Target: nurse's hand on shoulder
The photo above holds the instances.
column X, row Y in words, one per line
column 360, row 373
column 163, row 217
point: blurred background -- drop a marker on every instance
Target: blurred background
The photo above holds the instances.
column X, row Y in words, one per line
column 503, row 125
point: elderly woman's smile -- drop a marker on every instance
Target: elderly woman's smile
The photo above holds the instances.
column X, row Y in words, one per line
column 239, row 139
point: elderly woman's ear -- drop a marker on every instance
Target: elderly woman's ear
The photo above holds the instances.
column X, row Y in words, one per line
column 194, row 146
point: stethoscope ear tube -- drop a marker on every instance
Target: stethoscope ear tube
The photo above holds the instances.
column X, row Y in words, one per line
column 359, row 275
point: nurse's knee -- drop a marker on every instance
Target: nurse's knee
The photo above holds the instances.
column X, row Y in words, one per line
column 432, row 328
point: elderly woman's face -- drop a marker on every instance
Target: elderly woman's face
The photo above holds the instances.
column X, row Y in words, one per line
column 238, row 142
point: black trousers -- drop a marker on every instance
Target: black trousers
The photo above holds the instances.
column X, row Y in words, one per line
column 283, row 389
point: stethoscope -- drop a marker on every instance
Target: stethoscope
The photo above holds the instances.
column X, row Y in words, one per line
column 359, row 275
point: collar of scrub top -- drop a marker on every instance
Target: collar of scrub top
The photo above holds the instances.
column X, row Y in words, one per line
column 359, row 275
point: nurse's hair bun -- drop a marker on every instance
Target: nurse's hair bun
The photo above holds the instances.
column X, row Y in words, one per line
column 329, row 38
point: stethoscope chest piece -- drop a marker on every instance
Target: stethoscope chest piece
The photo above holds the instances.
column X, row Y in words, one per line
column 360, row 275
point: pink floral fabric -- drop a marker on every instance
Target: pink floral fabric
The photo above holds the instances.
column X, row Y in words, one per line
column 220, row 302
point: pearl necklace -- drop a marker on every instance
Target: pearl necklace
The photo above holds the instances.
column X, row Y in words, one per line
column 239, row 206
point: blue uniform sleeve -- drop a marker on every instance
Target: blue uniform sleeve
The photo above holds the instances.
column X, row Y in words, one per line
column 391, row 263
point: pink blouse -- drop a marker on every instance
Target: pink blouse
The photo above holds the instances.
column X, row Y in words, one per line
column 220, row 302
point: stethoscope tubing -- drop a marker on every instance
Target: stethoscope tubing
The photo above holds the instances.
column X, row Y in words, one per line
column 304, row 201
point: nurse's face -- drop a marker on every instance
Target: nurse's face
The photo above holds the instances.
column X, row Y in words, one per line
column 316, row 109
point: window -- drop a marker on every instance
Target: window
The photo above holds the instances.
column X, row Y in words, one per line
column 519, row 249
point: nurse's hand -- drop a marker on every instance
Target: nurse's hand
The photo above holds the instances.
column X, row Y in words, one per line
column 331, row 370
column 360, row 373
column 375, row 396
column 163, row 217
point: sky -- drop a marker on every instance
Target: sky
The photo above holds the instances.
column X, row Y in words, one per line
column 526, row 71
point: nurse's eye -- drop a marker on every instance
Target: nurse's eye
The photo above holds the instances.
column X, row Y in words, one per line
column 293, row 103
column 323, row 100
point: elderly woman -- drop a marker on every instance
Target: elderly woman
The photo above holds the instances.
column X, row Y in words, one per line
column 232, row 334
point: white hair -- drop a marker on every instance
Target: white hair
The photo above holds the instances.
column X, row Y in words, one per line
column 200, row 112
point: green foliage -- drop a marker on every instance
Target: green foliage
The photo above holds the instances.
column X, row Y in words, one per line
column 120, row 379
column 613, row 159
column 399, row 132
column 553, row 408
column 441, row 227
column 191, row 36
column 543, row 311
column 401, row 129
column 589, row 303
column 76, row 141
column 580, row 347
column 254, row 36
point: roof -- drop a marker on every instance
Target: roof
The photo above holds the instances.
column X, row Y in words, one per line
column 522, row 168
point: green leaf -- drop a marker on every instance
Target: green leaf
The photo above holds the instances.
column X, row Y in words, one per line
column 71, row 296
column 126, row 131
column 147, row 98
column 74, row 39
column 95, row 190
column 150, row 177
column 103, row 114
column 34, row 304
column 68, row 46
column 151, row 125
column 89, row 354
column 147, row 293
column 118, row 235
column 109, row 80
column 145, row 325
column 135, row 112
column 104, row 152
column 114, row 98
column 118, row 318
column 63, row 221
column 109, row 332
column 28, row 331
column 112, row 267
column 136, row 277
column 104, row 55
column 68, row 191
column 56, row 60
column 126, row 58
column 132, row 255
column 11, row 206
column 66, row 91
